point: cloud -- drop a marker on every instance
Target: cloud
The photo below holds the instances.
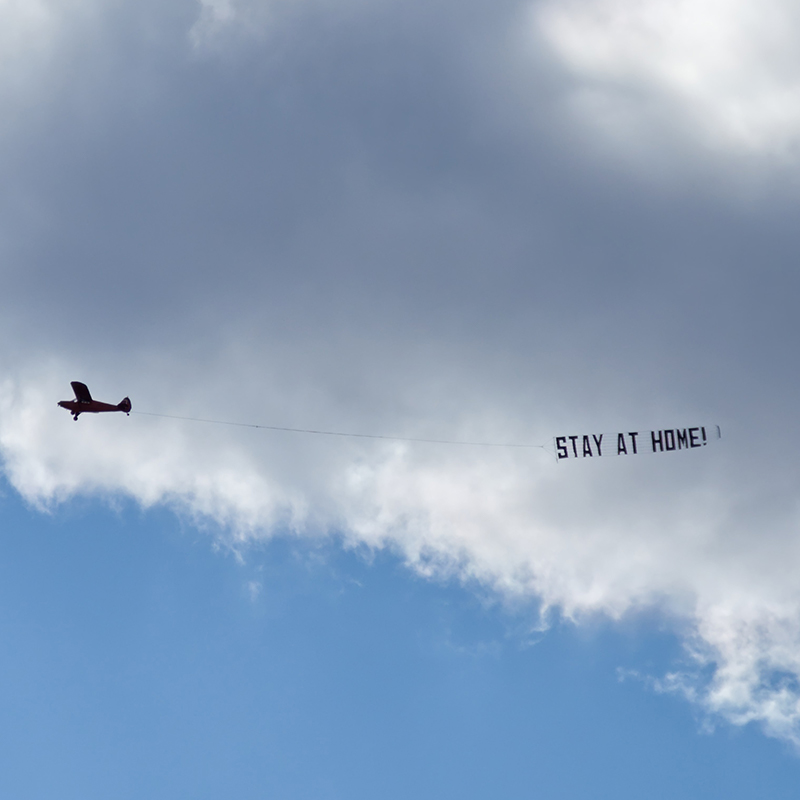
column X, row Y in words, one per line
column 725, row 74
column 353, row 237
column 220, row 17
column 27, row 27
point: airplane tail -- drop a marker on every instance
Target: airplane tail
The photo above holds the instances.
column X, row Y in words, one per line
column 125, row 406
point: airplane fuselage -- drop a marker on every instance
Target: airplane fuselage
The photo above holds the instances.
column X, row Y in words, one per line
column 94, row 407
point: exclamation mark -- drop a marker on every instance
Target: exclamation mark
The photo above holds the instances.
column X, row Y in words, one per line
column 703, row 431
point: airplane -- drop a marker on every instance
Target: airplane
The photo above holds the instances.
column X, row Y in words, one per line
column 83, row 403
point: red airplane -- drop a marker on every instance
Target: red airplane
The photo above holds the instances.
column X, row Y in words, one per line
column 83, row 403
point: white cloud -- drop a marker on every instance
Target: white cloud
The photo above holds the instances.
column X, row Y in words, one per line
column 27, row 34
column 26, row 25
column 726, row 73
column 219, row 17
column 607, row 537
column 223, row 26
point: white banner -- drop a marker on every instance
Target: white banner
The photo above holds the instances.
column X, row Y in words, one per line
column 633, row 443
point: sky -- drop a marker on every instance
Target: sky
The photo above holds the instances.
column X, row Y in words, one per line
column 497, row 222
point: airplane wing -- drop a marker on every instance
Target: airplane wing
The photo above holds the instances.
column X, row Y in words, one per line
column 81, row 392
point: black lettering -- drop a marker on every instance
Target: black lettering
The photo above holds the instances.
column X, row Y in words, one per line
column 573, row 439
column 669, row 440
column 587, row 447
column 561, row 446
column 633, row 436
column 598, row 442
column 693, row 437
column 703, row 431
column 658, row 441
column 621, row 444
column 683, row 439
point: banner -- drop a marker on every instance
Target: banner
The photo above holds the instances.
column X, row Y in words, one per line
column 634, row 443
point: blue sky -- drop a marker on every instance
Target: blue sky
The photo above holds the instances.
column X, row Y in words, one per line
column 477, row 221
column 137, row 661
